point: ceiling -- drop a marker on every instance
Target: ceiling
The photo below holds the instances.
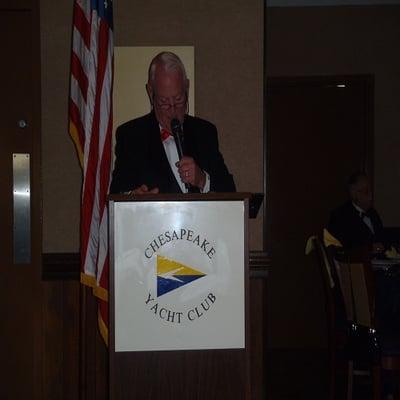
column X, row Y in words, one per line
column 308, row 3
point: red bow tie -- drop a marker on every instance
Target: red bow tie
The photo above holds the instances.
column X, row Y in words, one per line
column 165, row 134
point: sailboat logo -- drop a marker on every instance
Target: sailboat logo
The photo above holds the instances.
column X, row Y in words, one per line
column 172, row 275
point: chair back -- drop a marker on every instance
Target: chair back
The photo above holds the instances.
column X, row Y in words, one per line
column 334, row 301
column 364, row 347
column 357, row 299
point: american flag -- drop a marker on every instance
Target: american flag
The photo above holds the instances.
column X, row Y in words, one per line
column 90, row 126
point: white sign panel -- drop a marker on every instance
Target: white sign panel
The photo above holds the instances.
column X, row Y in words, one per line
column 179, row 275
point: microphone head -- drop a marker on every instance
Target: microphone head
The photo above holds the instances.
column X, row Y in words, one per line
column 176, row 126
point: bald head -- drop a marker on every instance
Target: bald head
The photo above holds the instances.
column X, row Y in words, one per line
column 166, row 62
column 167, row 88
column 360, row 190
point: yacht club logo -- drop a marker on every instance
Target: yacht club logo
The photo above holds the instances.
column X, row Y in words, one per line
column 171, row 275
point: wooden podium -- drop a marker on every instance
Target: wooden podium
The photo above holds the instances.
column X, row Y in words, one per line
column 179, row 289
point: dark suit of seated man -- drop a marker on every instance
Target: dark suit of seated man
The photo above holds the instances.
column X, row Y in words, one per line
column 356, row 223
column 146, row 154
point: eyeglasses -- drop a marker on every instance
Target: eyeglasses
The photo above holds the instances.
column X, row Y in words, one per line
column 166, row 104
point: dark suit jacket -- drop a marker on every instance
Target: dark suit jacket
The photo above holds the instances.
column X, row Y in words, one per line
column 347, row 226
column 141, row 158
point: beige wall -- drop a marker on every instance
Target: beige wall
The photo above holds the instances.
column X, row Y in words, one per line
column 336, row 41
column 227, row 37
column 228, row 41
column 60, row 169
column 349, row 40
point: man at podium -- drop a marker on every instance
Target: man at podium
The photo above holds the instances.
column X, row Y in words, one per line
column 167, row 150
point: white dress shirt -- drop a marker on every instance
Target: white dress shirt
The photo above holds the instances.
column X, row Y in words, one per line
column 172, row 155
column 367, row 220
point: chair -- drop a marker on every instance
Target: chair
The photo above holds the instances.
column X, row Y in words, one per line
column 337, row 326
column 363, row 347
column 365, row 279
column 380, row 348
column 353, row 347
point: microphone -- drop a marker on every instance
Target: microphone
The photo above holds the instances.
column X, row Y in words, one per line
column 177, row 133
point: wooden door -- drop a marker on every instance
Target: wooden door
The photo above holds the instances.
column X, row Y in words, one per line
column 318, row 132
column 20, row 244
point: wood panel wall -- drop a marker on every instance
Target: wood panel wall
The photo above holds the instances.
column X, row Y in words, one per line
column 61, row 326
column 75, row 358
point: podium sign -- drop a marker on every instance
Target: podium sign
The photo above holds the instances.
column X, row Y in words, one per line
column 179, row 275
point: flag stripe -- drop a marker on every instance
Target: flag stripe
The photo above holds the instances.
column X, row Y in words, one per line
column 79, row 105
column 85, row 5
column 75, row 118
column 75, row 138
column 82, row 24
column 79, row 74
column 91, row 205
column 104, row 188
column 91, row 128
column 80, row 49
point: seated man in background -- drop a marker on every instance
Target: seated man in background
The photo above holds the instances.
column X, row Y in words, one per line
column 356, row 223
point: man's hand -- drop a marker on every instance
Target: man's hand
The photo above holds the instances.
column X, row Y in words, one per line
column 144, row 190
column 191, row 173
